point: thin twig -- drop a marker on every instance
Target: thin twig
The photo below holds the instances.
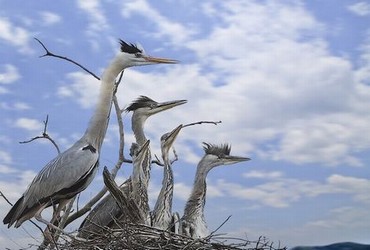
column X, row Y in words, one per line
column 44, row 135
column 218, row 228
column 6, row 199
column 201, row 122
column 48, row 53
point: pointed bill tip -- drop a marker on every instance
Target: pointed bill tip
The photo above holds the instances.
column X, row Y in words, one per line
column 161, row 60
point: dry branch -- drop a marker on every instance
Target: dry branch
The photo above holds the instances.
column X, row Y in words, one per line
column 48, row 53
column 44, row 135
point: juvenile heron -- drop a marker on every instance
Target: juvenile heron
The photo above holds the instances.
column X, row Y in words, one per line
column 106, row 212
column 162, row 216
column 73, row 170
column 193, row 222
column 144, row 107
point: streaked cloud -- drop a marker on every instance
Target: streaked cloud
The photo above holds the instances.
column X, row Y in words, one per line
column 5, row 157
column 95, row 13
column 29, row 124
column 81, row 87
column 281, row 191
column 50, row 18
column 263, row 174
column 9, row 74
column 166, row 28
column 360, row 8
column 15, row 35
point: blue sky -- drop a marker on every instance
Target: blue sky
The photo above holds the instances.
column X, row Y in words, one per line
column 288, row 79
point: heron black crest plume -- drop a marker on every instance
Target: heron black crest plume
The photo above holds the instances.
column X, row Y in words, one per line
column 129, row 48
column 224, row 149
column 141, row 102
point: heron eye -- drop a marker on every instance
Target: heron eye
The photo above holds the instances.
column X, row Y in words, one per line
column 138, row 55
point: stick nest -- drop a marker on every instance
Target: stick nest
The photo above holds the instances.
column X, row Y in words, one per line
column 134, row 236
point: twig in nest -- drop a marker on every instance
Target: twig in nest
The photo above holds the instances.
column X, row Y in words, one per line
column 44, row 135
column 218, row 228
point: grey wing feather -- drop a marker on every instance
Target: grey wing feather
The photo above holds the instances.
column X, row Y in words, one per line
column 60, row 173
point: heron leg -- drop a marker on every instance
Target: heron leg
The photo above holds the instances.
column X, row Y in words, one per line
column 39, row 218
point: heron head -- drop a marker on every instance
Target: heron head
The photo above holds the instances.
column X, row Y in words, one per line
column 144, row 106
column 168, row 138
column 133, row 55
column 217, row 155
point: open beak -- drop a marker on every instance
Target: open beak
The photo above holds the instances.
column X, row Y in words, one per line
column 160, row 60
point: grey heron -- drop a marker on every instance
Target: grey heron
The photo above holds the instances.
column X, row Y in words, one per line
column 106, row 212
column 193, row 222
column 72, row 171
column 139, row 190
column 144, row 107
column 162, row 216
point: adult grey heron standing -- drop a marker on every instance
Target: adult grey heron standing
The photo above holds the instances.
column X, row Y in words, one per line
column 193, row 222
column 106, row 212
column 73, row 170
column 162, row 216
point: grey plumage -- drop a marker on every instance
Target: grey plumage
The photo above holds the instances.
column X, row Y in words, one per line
column 162, row 216
column 106, row 212
column 73, row 170
column 193, row 222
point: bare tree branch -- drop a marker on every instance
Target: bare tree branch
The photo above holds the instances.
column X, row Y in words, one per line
column 201, row 122
column 6, row 199
column 48, row 53
column 44, row 135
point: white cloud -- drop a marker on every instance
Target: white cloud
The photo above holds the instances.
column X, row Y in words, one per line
column 312, row 106
column 360, row 8
column 281, row 191
column 50, row 18
column 21, row 106
column 15, row 35
column 10, row 74
column 29, row 124
column 165, row 27
column 94, row 11
column 5, row 158
column 181, row 191
column 263, row 174
column 14, row 106
column 83, row 87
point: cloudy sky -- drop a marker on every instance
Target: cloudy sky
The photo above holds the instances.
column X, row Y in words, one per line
column 288, row 79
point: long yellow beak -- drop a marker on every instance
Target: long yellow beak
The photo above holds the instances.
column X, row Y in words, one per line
column 160, row 60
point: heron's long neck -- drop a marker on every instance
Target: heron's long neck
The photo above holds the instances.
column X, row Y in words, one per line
column 138, row 129
column 98, row 124
column 137, row 125
column 195, row 205
column 164, row 200
column 140, row 187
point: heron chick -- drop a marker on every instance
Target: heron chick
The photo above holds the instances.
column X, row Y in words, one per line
column 106, row 212
column 193, row 223
column 162, row 216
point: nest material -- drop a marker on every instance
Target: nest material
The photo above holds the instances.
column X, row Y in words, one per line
column 134, row 236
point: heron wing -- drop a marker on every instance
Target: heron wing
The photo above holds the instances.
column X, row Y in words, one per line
column 61, row 173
